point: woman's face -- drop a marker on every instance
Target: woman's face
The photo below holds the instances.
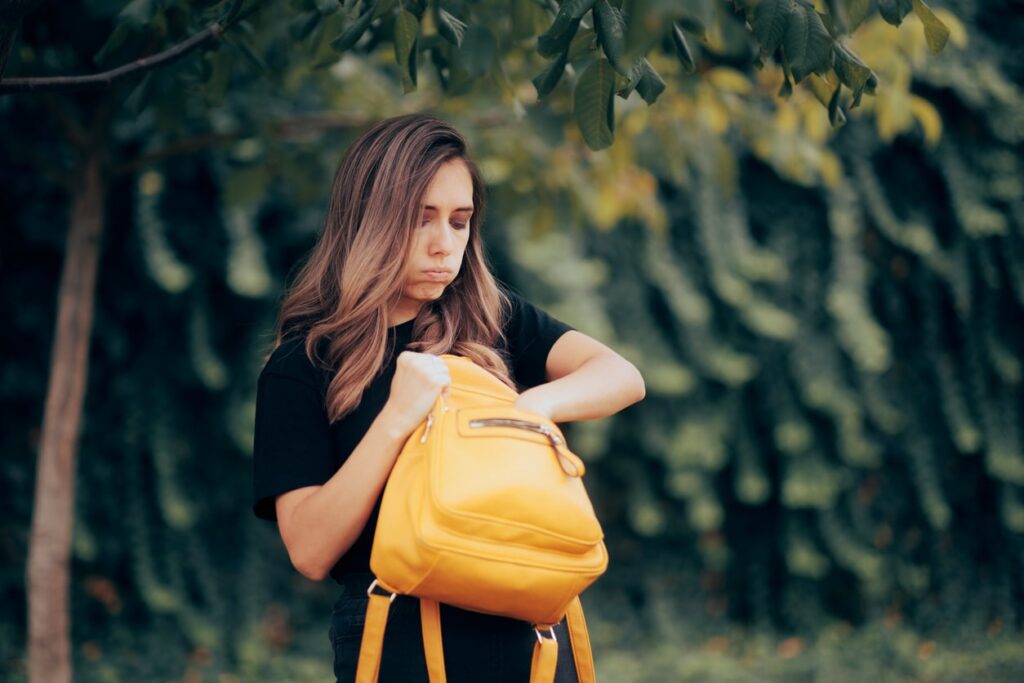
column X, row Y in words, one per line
column 439, row 241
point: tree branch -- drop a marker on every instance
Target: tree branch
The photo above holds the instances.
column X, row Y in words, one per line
column 300, row 127
column 178, row 148
column 108, row 78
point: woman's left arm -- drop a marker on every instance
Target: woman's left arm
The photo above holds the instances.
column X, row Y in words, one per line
column 586, row 381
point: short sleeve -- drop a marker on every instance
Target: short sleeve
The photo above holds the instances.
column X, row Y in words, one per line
column 530, row 333
column 291, row 443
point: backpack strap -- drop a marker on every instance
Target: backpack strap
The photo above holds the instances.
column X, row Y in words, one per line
column 545, row 656
column 430, row 619
column 545, row 652
column 372, row 646
column 580, row 639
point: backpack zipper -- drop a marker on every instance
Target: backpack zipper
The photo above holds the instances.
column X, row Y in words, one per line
column 572, row 466
column 520, row 424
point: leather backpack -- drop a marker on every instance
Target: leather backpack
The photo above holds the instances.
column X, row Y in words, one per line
column 485, row 509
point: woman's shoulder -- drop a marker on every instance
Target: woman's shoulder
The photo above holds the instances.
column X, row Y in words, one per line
column 289, row 359
column 522, row 311
column 516, row 302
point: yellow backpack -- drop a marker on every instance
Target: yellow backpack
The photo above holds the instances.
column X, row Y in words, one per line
column 485, row 510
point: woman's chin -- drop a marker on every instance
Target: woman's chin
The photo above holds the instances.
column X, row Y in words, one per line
column 429, row 291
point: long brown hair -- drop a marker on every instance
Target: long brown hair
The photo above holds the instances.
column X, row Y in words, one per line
column 354, row 274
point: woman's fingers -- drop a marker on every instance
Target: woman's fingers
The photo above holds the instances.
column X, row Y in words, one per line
column 419, row 378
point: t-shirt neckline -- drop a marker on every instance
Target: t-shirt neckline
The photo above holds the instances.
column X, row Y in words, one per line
column 402, row 327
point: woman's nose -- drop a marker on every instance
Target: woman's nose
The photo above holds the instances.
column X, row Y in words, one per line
column 441, row 238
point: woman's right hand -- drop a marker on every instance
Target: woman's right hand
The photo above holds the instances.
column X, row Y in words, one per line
column 419, row 378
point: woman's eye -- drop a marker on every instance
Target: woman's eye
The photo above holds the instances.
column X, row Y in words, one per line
column 458, row 226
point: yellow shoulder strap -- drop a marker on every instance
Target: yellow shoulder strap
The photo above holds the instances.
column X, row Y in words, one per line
column 545, row 657
column 430, row 619
column 580, row 639
column 545, row 652
column 372, row 647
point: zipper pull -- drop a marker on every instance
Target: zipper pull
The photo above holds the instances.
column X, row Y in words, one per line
column 570, row 462
column 430, row 421
column 430, row 417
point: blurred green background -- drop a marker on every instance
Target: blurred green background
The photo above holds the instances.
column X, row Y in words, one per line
column 825, row 482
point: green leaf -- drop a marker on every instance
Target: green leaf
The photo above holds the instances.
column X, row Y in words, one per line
column 869, row 87
column 407, row 31
column 935, row 32
column 786, row 89
column 835, row 18
column 546, row 81
column 233, row 9
column 683, row 49
column 693, row 25
column 771, row 18
column 593, row 106
column 646, row 22
column 807, row 44
column 478, row 50
column 575, row 8
column 242, row 45
column 382, row 8
column 787, row 77
column 318, row 45
column 583, row 42
column 636, row 72
column 856, row 12
column 554, row 40
column 117, row 38
column 450, row 27
column 220, row 75
column 246, row 26
column 314, row 44
column 563, row 28
column 611, row 33
column 828, row 22
column 893, row 11
column 303, row 25
column 458, row 80
column 851, row 70
column 651, row 84
column 353, row 32
column 528, row 19
column 835, row 113
column 139, row 12
column 140, row 95
column 440, row 62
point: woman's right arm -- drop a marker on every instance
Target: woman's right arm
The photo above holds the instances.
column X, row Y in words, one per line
column 318, row 524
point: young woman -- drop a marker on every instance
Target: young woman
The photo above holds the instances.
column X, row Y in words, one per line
column 398, row 277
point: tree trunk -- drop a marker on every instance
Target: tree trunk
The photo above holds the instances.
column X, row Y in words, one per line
column 48, row 571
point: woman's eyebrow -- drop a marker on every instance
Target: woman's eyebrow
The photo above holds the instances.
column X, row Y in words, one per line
column 461, row 208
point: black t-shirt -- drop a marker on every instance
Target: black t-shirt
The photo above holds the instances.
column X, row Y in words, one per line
column 294, row 445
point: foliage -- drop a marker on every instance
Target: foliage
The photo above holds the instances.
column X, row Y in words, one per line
column 612, row 44
column 824, row 317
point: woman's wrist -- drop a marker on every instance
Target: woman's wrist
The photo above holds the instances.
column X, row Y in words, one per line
column 534, row 401
column 391, row 427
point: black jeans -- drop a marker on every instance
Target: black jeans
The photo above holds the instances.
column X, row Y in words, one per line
column 476, row 646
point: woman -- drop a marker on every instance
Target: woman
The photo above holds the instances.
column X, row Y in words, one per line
column 398, row 277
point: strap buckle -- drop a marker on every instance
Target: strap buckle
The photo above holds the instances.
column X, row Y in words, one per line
column 551, row 634
column 374, row 584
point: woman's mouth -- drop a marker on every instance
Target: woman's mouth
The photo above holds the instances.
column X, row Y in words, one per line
column 436, row 275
